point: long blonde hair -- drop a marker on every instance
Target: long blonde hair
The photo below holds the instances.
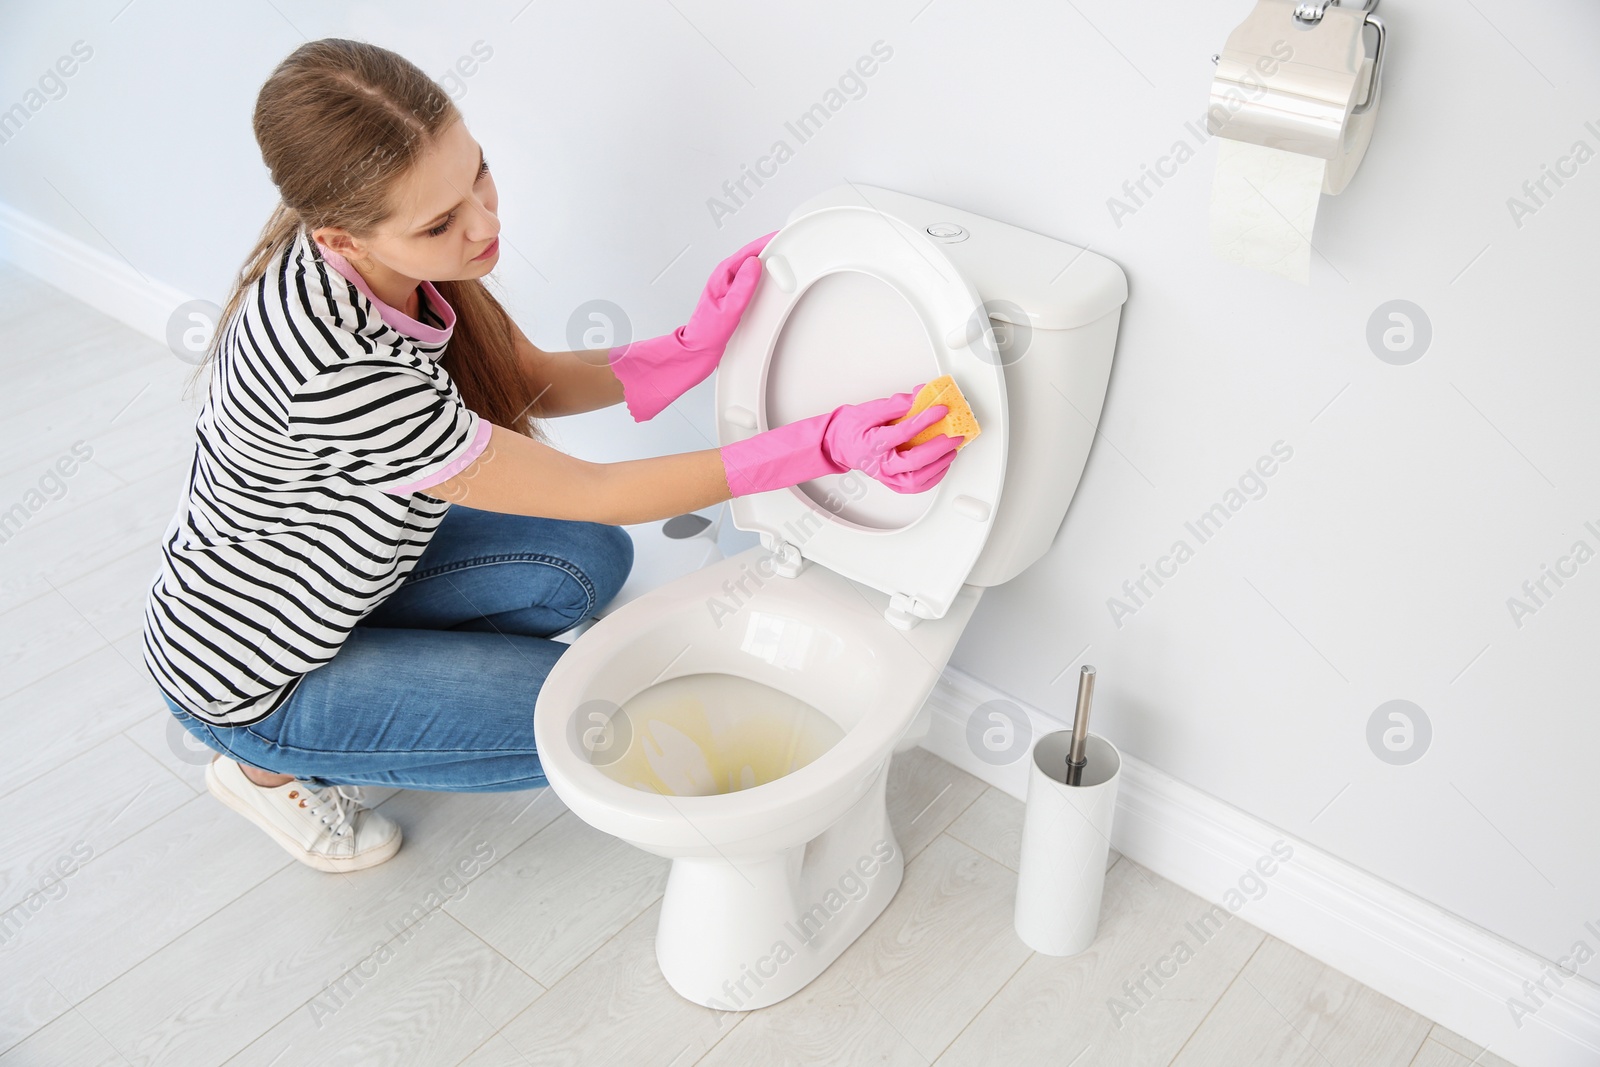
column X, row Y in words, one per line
column 340, row 123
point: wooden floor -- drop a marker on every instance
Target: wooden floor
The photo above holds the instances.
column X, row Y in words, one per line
column 144, row 923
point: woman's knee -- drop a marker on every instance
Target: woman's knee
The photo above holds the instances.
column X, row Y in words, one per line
column 608, row 562
column 220, row 740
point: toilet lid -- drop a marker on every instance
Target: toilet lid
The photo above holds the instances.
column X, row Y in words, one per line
column 854, row 305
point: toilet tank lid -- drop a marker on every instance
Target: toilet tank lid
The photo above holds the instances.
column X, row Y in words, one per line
column 1024, row 278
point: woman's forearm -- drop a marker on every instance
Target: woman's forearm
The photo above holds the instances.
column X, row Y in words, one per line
column 518, row 475
column 569, row 383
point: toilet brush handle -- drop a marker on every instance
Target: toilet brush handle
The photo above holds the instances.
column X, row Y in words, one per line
column 1080, row 719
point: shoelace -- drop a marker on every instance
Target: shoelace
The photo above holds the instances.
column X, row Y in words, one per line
column 341, row 805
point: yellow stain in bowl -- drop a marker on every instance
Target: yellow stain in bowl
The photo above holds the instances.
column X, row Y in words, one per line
column 707, row 734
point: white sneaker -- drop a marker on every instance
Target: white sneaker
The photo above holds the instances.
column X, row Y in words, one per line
column 326, row 828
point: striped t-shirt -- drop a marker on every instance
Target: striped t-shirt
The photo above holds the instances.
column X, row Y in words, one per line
column 327, row 413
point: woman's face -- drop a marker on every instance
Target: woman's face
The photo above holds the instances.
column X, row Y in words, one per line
column 443, row 219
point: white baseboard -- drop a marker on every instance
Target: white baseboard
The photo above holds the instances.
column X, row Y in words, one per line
column 1433, row 962
column 103, row 281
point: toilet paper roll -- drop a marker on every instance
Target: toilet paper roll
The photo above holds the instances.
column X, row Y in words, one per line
column 1264, row 207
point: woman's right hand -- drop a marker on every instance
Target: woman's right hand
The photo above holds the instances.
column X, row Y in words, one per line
column 521, row 476
column 866, row 438
column 862, row 437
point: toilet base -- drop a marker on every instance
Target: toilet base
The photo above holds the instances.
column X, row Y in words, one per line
column 740, row 933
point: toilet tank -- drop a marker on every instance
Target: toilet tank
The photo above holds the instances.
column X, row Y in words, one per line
column 1055, row 309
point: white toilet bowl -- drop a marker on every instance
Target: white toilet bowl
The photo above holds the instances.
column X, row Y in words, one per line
column 770, row 878
column 740, row 720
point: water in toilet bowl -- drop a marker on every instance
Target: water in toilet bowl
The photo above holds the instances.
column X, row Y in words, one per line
column 705, row 734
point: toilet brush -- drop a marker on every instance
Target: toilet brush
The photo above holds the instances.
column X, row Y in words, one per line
column 1066, row 833
column 1080, row 726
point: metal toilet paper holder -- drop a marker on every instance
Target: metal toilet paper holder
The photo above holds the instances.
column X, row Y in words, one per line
column 1296, row 75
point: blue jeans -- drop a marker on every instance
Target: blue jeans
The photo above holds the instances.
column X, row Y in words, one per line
column 435, row 688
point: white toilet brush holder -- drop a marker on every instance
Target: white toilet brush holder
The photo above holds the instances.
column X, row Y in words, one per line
column 1066, row 835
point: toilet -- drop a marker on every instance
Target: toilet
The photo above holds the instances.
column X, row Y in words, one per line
column 739, row 720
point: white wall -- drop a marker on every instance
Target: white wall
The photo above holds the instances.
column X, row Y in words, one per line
column 1379, row 561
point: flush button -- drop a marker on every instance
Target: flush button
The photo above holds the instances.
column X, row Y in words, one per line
column 947, row 231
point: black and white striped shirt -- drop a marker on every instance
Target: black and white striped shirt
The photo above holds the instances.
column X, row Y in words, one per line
column 327, row 413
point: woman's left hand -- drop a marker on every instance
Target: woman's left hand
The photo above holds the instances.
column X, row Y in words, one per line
column 657, row 371
column 722, row 303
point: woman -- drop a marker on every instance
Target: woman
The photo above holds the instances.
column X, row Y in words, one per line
column 376, row 544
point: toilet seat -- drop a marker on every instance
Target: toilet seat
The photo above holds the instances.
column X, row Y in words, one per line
column 798, row 351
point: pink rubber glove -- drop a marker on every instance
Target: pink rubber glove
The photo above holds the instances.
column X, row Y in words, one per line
column 850, row 437
column 657, row 371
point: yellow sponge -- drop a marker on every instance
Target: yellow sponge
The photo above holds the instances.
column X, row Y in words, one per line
column 957, row 422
